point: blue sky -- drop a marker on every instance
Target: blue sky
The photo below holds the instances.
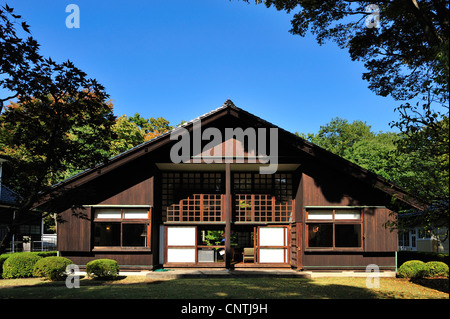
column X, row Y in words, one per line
column 180, row 59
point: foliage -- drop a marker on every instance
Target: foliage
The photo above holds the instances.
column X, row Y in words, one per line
column 52, row 268
column 20, row 265
column 102, row 269
column 19, row 58
column 214, row 237
column 43, row 254
column 151, row 127
column 403, row 256
column 435, row 269
column 421, row 167
column 357, row 143
column 58, row 112
column 411, row 269
column 135, row 130
column 405, row 52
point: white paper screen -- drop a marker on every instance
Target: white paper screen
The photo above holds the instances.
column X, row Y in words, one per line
column 106, row 213
column 181, row 255
column 347, row 214
column 271, row 236
column 320, row 214
column 181, row 236
column 135, row 214
column 271, row 255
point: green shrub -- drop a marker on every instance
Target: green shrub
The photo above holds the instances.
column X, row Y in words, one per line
column 411, row 269
column 20, row 265
column 435, row 269
column 102, row 269
column 403, row 256
column 2, row 261
column 52, row 268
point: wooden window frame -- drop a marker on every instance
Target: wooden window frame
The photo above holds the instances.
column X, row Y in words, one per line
column 123, row 221
column 196, row 247
column 333, row 221
column 286, row 247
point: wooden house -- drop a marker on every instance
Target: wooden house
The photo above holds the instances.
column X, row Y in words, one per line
column 145, row 210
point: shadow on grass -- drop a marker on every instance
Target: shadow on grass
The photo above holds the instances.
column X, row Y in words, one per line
column 190, row 288
column 440, row 284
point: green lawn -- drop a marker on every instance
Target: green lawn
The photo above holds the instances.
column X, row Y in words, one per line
column 229, row 288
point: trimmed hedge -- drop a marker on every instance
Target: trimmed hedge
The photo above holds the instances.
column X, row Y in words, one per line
column 435, row 269
column 102, row 269
column 411, row 269
column 52, row 268
column 20, row 265
column 418, row 269
column 403, row 256
column 4, row 257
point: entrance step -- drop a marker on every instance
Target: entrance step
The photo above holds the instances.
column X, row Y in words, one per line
column 225, row 273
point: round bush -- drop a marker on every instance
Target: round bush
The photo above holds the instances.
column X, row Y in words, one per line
column 102, row 269
column 52, row 268
column 20, row 265
column 411, row 269
column 435, row 269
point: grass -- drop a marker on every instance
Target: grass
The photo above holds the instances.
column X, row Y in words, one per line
column 134, row 287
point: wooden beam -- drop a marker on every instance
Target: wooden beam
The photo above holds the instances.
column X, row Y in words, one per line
column 228, row 215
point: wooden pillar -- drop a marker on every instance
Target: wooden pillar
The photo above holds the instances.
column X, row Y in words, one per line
column 228, row 215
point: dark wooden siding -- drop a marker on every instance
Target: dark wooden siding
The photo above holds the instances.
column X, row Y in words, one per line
column 128, row 185
column 127, row 260
column 343, row 261
column 322, row 187
column 377, row 237
column 74, row 230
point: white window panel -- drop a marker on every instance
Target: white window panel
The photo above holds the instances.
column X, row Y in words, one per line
column 181, row 236
column 135, row 213
column 320, row 214
column 181, row 255
column 107, row 213
column 347, row 214
column 271, row 255
column 272, row 236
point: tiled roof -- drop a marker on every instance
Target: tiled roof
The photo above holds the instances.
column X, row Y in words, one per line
column 7, row 196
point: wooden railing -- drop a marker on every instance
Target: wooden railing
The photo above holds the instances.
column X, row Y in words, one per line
column 198, row 208
column 248, row 208
column 262, row 208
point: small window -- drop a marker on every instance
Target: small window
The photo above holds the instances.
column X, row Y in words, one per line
column 122, row 228
column 320, row 235
column 339, row 228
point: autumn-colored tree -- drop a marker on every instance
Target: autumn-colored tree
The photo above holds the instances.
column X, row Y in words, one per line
column 61, row 120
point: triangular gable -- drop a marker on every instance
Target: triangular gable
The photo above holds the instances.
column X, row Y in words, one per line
column 229, row 109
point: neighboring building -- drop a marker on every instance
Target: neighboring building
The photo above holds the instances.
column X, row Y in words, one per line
column 317, row 211
column 418, row 239
column 27, row 233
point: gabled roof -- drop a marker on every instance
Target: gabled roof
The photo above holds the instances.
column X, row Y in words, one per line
column 228, row 108
column 7, row 196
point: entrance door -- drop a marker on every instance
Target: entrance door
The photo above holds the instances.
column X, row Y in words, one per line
column 273, row 244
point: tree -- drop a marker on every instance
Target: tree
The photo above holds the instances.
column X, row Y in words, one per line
column 406, row 53
column 404, row 46
column 19, row 58
column 152, row 127
column 421, row 168
column 338, row 135
column 61, row 121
